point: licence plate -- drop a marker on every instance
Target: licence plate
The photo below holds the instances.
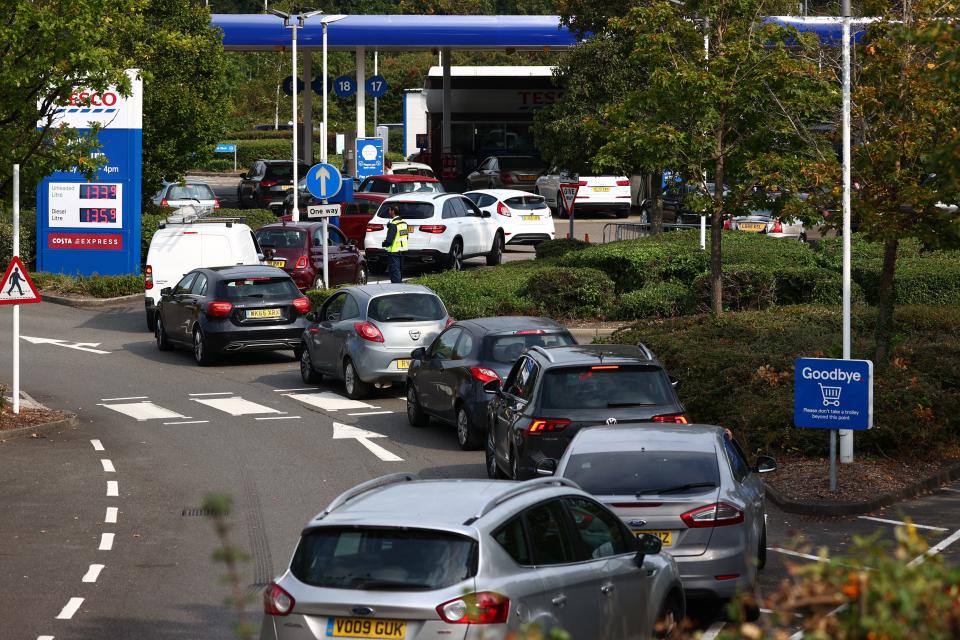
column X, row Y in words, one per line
column 263, row 313
column 601, row 189
column 752, row 227
column 276, row 263
column 402, row 364
column 366, row 628
column 666, row 537
column 524, row 178
column 531, row 218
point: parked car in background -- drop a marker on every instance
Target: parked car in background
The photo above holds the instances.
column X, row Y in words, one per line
column 193, row 193
column 524, row 217
column 444, row 229
column 297, row 248
column 551, row 393
column 445, row 380
column 471, row 559
column 364, row 335
column 690, row 486
column 266, row 184
column 230, row 309
column 383, row 187
column 353, row 215
column 596, row 194
column 409, row 169
column 764, row 221
column 506, row 172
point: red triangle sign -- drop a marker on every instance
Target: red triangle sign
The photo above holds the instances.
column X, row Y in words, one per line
column 568, row 194
column 17, row 287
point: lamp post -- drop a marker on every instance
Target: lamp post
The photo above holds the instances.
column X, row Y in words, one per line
column 846, row 435
column 324, row 21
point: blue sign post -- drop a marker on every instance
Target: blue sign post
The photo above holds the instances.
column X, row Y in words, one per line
column 226, row 147
column 369, row 157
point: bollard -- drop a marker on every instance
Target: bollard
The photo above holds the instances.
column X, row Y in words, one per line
column 586, row 237
column 568, row 236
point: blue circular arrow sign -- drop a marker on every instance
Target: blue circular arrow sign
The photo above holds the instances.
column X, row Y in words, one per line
column 376, row 86
column 344, row 86
column 323, row 181
column 288, row 85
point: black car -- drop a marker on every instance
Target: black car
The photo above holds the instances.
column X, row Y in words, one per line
column 446, row 380
column 551, row 393
column 227, row 309
column 267, row 182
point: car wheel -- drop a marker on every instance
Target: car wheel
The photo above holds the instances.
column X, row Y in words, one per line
column 455, row 257
column 318, row 282
column 240, row 204
column 415, row 415
column 493, row 469
column 762, row 550
column 362, row 275
column 356, row 388
column 201, row 351
column 802, row 237
column 151, row 321
column 160, row 333
column 496, row 251
column 623, row 213
column 467, row 436
column 671, row 615
column 307, row 373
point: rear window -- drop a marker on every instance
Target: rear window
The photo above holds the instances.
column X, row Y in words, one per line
column 282, row 238
column 507, row 349
column 285, row 171
column 383, row 559
column 257, row 288
column 599, row 388
column 416, row 186
column 519, row 163
column 525, row 203
column 406, row 307
column 638, row 472
column 190, row 192
column 408, row 210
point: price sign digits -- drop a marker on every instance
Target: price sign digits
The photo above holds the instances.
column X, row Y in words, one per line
column 98, row 214
column 98, row 191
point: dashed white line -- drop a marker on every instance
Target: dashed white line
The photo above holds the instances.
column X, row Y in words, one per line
column 216, row 393
column 71, row 608
column 106, row 541
column 97, row 445
column 805, row 556
column 937, row 548
column 235, row 406
column 107, row 465
column 111, row 516
column 300, row 389
column 188, row 422
column 113, row 489
column 279, row 418
column 369, row 413
column 44, row 637
column 903, row 523
column 93, row 573
column 130, row 398
column 713, row 630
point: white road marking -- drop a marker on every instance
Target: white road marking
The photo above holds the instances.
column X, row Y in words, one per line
column 937, row 548
column 771, row 612
column 217, row 393
column 805, row 556
column 299, row 389
column 279, row 418
column 345, row 431
column 903, row 523
column 141, row 411
column 369, row 413
column 97, row 446
column 93, row 573
column 713, row 630
column 107, row 466
column 950, row 489
column 111, row 516
column 106, row 541
column 235, row 406
column 189, row 422
column 127, row 398
column 113, row 489
column 44, row 637
column 71, row 608
column 79, row 346
column 800, row 635
column 329, row 401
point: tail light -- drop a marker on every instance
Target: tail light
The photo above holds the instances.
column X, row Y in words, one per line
column 727, row 224
column 718, row 514
column 148, row 278
column 302, row 304
column 483, row 374
column 374, row 227
column 623, row 183
column 216, row 203
column 502, row 209
column 368, row 331
column 529, row 332
column 301, row 263
column 485, row 607
column 582, row 183
column 217, row 309
column 164, row 203
column 506, row 178
column 672, row 418
column 450, row 321
column 277, row 602
column 777, row 227
column 432, row 228
column 547, row 425
column 268, row 183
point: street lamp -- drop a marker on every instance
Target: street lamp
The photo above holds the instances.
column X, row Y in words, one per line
column 324, row 21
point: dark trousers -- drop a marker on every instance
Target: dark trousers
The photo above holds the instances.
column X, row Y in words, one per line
column 394, row 265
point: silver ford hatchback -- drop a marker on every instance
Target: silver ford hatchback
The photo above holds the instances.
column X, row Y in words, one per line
column 400, row 558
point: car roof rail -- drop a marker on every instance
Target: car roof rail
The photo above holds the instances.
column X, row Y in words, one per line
column 546, row 354
column 521, row 488
column 440, row 195
column 366, row 487
column 646, row 351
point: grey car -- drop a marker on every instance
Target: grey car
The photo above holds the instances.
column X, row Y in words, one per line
column 398, row 557
column 364, row 335
column 691, row 486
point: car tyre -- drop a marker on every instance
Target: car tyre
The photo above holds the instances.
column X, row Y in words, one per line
column 467, row 436
column 308, row 374
column 622, row 213
column 415, row 414
column 151, row 320
column 455, row 257
column 356, row 388
column 160, row 333
column 493, row 469
column 670, row 618
column 201, row 350
column 240, row 204
column 496, row 251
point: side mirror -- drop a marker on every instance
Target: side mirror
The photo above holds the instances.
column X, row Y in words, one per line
column 546, row 467
column 674, row 382
column 243, row 176
column 260, row 257
column 647, row 545
column 492, row 386
column 166, row 291
column 765, row 464
column 419, row 353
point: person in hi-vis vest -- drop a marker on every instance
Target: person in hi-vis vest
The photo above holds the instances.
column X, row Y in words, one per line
column 396, row 243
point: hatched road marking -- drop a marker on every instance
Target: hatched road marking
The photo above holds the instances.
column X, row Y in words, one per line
column 69, row 609
column 93, row 573
column 145, row 410
column 111, row 516
column 329, row 401
column 235, row 406
column 903, row 523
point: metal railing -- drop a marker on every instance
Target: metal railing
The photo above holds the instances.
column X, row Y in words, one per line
column 614, row 231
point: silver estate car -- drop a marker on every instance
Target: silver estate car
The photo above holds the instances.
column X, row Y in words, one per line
column 364, row 335
column 691, row 486
column 398, row 557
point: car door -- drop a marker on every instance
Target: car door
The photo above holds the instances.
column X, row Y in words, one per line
column 248, row 187
column 529, row 597
column 750, row 487
column 173, row 315
column 431, row 389
column 452, row 217
column 512, row 403
column 483, row 229
column 321, row 342
column 193, row 303
column 340, row 263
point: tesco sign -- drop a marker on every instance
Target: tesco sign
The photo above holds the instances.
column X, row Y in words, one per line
column 92, row 98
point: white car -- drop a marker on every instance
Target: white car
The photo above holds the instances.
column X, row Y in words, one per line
column 192, row 193
column 444, row 228
column 597, row 194
column 409, row 169
column 524, row 217
column 763, row 221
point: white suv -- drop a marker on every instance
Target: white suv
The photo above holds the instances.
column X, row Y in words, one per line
column 444, row 228
column 607, row 194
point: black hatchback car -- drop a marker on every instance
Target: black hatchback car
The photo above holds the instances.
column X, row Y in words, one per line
column 446, row 380
column 266, row 184
column 551, row 393
column 227, row 309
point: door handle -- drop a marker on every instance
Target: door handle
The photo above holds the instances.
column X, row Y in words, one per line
column 607, row 589
column 559, row 601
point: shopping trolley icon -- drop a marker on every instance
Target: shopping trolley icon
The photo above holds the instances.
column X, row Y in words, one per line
column 831, row 395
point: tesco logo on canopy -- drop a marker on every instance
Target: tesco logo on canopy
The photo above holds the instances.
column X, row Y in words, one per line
column 832, row 375
column 92, row 98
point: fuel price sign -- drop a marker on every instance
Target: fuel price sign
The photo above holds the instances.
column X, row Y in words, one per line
column 80, row 205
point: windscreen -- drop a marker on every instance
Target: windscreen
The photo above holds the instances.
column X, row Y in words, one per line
column 282, row 238
column 258, row 288
column 406, row 307
column 605, row 386
column 520, row 163
column 408, row 210
column 416, row 186
column 525, row 203
column 506, row 349
column 190, row 192
column 383, row 559
column 643, row 472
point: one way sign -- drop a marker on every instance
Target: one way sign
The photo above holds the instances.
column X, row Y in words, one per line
column 17, row 287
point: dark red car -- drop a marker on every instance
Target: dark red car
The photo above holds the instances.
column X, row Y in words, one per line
column 297, row 248
column 382, row 187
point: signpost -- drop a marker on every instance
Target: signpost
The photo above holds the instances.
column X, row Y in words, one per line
column 369, row 157
column 224, row 147
column 833, row 394
column 567, row 195
column 324, row 181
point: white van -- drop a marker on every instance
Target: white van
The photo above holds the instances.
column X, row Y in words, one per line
column 185, row 242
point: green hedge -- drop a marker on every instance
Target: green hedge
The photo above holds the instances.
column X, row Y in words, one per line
column 28, row 240
column 96, row 286
column 318, row 297
column 656, row 300
column 559, row 247
column 489, row 291
column 571, row 293
column 933, row 278
column 737, row 371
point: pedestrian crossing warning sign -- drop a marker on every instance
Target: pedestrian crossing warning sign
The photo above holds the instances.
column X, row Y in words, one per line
column 17, row 287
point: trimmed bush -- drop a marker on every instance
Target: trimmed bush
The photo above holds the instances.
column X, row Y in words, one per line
column 656, row 300
column 571, row 293
column 559, row 247
column 829, row 251
column 95, row 286
column 759, row 250
column 28, row 241
column 932, row 278
column 318, row 296
column 744, row 287
column 491, row 291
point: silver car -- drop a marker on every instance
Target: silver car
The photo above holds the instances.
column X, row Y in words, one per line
column 364, row 335
column 195, row 193
column 689, row 485
column 763, row 221
column 398, row 557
